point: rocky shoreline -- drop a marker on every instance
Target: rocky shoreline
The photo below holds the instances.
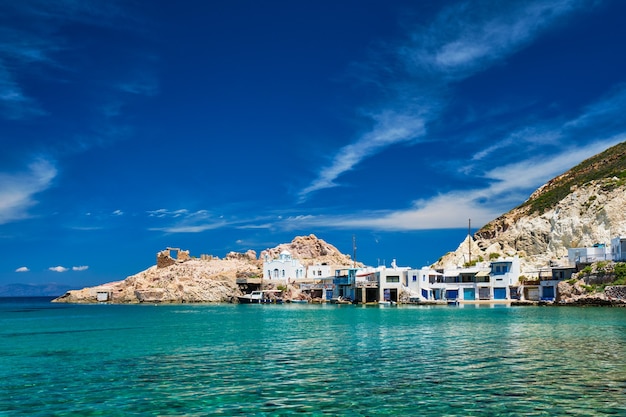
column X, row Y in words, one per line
column 179, row 278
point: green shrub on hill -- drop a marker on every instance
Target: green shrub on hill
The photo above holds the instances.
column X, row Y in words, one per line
column 620, row 273
column 609, row 165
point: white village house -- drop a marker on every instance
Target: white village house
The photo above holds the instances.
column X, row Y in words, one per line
column 282, row 270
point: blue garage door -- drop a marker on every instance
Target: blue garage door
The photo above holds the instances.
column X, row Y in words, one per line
column 452, row 294
column 425, row 293
column 499, row 293
column 548, row 293
column 469, row 294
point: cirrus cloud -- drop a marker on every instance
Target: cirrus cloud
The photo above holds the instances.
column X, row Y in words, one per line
column 17, row 189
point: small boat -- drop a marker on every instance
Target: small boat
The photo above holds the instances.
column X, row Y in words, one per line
column 453, row 302
column 340, row 300
column 260, row 297
column 300, row 301
column 387, row 303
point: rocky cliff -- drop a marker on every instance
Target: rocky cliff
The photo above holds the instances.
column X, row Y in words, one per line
column 188, row 280
column 579, row 208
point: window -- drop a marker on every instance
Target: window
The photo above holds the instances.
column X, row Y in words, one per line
column 500, row 269
column 394, row 278
column 283, row 273
column 414, row 278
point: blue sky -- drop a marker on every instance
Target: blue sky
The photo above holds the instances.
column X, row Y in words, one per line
column 220, row 126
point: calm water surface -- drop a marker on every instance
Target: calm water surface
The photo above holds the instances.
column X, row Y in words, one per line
column 198, row 360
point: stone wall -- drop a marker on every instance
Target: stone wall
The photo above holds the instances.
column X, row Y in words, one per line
column 183, row 255
column 616, row 292
column 164, row 259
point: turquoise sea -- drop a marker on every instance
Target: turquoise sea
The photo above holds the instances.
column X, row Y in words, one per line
column 200, row 360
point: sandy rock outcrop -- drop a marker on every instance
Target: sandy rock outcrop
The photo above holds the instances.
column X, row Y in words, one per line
column 192, row 281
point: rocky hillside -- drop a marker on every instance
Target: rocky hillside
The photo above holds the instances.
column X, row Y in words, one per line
column 579, row 208
column 210, row 279
column 310, row 250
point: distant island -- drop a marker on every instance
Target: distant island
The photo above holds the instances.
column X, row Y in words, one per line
column 33, row 290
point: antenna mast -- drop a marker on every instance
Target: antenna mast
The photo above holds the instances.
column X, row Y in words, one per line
column 354, row 251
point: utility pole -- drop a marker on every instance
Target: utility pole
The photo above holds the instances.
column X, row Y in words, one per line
column 469, row 240
column 354, row 251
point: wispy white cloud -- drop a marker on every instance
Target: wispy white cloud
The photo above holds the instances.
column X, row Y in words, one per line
column 508, row 185
column 189, row 228
column 14, row 103
column 118, row 213
column 80, row 268
column 390, row 129
column 526, row 136
column 22, row 269
column 604, row 114
column 86, row 228
column 597, row 121
column 462, row 40
column 143, row 84
column 470, row 36
column 186, row 221
column 32, row 39
column 58, row 268
column 87, row 12
column 168, row 213
column 18, row 189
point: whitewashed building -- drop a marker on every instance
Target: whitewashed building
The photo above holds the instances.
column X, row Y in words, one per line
column 392, row 281
column 282, row 270
column 596, row 253
column 492, row 281
column 319, row 271
column 618, row 249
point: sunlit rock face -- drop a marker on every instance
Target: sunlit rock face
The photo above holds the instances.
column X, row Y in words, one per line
column 579, row 208
column 310, row 250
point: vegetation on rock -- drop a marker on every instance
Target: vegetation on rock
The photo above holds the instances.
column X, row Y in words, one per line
column 608, row 166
